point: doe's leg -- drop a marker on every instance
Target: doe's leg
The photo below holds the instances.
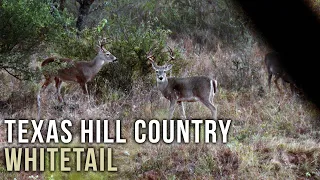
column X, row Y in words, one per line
column 269, row 81
column 277, row 85
column 292, row 87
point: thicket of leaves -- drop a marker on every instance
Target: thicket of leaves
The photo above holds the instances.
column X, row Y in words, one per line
column 23, row 26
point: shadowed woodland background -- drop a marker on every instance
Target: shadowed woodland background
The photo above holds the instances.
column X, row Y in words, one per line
column 272, row 136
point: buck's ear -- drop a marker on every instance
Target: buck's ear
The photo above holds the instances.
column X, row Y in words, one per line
column 153, row 66
column 98, row 48
column 169, row 66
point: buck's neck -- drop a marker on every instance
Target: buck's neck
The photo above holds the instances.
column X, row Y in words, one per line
column 97, row 63
column 162, row 85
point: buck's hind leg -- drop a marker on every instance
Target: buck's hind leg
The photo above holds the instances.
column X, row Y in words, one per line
column 58, row 86
column 84, row 88
column 182, row 110
column 212, row 108
column 43, row 88
column 171, row 109
column 46, row 83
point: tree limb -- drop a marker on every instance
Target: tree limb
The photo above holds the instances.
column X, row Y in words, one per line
column 15, row 76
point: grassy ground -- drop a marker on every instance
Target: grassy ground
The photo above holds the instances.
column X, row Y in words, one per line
column 272, row 136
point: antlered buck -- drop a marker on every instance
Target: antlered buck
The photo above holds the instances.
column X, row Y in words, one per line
column 77, row 71
column 187, row 89
column 275, row 68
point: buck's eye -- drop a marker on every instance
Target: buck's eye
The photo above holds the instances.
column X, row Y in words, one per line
column 157, row 71
column 108, row 54
column 164, row 71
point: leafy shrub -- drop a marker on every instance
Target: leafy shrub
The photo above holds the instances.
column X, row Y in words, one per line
column 24, row 25
column 130, row 43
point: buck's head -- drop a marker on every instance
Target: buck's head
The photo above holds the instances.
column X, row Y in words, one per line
column 104, row 54
column 107, row 56
column 161, row 71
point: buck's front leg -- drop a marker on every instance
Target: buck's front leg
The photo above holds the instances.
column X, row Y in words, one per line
column 84, row 88
column 171, row 108
column 182, row 110
column 85, row 91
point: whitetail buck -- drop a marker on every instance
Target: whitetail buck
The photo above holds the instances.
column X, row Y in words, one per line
column 188, row 89
column 77, row 71
column 276, row 68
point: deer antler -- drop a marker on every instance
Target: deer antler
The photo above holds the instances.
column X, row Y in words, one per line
column 150, row 56
column 171, row 54
column 102, row 42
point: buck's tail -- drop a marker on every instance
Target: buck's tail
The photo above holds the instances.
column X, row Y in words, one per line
column 215, row 85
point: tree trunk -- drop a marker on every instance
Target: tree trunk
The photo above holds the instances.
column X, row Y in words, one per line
column 59, row 4
column 83, row 12
column 62, row 5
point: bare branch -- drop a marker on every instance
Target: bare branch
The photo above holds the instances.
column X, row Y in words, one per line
column 15, row 76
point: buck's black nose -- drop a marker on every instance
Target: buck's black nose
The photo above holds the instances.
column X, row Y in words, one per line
column 160, row 78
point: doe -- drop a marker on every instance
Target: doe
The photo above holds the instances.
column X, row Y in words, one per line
column 276, row 68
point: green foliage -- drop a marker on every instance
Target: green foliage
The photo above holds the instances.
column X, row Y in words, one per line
column 24, row 25
column 206, row 22
column 23, row 21
column 130, row 43
column 68, row 44
column 78, row 45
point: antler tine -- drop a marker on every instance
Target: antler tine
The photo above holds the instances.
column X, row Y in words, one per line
column 171, row 54
column 151, row 59
column 150, row 56
column 102, row 42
